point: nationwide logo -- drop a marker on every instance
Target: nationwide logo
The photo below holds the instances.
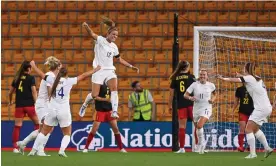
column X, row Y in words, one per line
column 79, row 138
column 151, row 138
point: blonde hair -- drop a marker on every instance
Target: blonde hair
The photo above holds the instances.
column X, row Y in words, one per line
column 109, row 23
column 52, row 62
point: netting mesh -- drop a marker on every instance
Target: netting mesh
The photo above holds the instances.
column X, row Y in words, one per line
column 226, row 53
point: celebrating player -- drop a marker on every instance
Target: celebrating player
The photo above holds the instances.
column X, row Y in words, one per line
column 41, row 105
column 24, row 87
column 181, row 79
column 105, row 49
column 262, row 108
column 204, row 96
column 246, row 108
column 59, row 107
column 104, row 109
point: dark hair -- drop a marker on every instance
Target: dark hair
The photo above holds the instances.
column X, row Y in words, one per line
column 62, row 73
column 181, row 66
column 250, row 68
column 110, row 24
column 23, row 68
column 133, row 84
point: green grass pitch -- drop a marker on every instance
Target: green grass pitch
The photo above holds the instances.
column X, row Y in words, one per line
column 138, row 159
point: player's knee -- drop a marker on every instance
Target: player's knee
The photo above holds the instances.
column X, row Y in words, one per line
column 199, row 126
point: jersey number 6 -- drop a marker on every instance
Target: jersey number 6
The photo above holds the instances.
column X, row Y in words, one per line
column 182, row 87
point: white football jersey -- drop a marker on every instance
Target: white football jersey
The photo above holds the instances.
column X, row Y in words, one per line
column 43, row 97
column 104, row 53
column 202, row 93
column 257, row 91
column 63, row 90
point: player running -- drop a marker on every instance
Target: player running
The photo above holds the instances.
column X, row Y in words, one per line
column 59, row 107
column 104, row 110
column 246, row 108
column 105, row 50
column 204, row 96
column 262, row 108
column 24, row 87
column 41, row 105
column 181, row 79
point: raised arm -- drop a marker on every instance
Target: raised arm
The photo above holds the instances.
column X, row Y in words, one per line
column 89, row 73
column 122, row 61
column 37, row 70
column 90, row 31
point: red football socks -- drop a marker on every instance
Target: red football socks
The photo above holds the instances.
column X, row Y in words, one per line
column 15, row 135
column 181, row 137
column 89, row 139
column 119, row 140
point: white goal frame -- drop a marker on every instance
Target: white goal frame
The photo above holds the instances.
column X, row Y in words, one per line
column 197, row 29
column 196, row 50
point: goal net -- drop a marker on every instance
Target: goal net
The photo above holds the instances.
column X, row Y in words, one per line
column 224, row 51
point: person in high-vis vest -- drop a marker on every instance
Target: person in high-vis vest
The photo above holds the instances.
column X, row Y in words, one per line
column 140, row 103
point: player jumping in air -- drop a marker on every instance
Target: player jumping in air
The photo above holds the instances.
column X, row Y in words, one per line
column 204, row 96
column 24, row 87
column 104, row 109
column 59, row 107
column 181, row 79
column 105, row 50
column 246, row 108
column 262, row 108
column 41, row 105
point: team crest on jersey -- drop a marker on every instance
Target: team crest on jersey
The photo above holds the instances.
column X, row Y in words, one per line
column 109, row 54
column 79, row 138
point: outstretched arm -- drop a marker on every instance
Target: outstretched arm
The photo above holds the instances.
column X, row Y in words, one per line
column 89, row 30
column 125, row 63
column 89, row 73
column 238, row 80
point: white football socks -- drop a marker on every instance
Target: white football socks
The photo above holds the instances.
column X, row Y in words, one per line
column 261, row 137
column 114, row 101
column 64, row 143
column 30, row 137
column 251, row 142
column 44, row 142
column 88, row 99
column 39, row 141
column 200, row 136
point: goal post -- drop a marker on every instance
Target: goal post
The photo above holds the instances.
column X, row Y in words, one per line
column 225, row 50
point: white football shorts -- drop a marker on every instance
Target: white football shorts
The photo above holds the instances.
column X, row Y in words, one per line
column 260, row 116
column 203, row 112
column 41, row 111
column 61, row 116
column 102, row 76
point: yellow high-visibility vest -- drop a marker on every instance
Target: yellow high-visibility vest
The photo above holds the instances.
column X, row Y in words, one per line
column 143, row 106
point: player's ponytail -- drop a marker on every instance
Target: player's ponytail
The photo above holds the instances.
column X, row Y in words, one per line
column 23, row 68
column 52, row 62
column 110, row 24
column 62, row 73
column 250, row 68
column 181, row 66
